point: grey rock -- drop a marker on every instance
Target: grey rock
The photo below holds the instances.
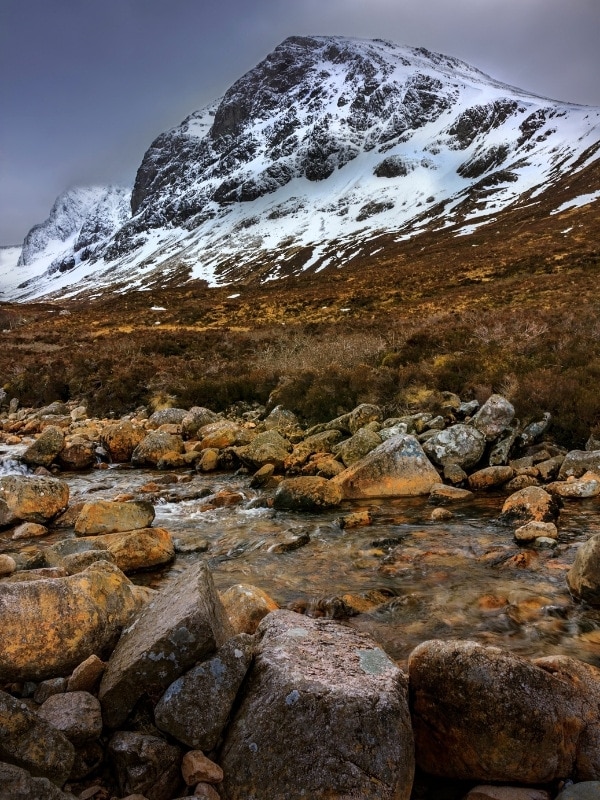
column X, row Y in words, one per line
column 578, row 462
column 45, row 448
column 357, row 446
column 324, row 715
column 167, row 416
column 269, row 447
column 145, row 765
column 584, row 576
column 19, row 784
column 196, row 707
column 197, row 417
column 500, row 452
column 494, row 417
column 362, row 415
column 28, row 741
column 183, row 624
column 459, row 444
column 76, row 714
column 534, row 430
column 587, row 790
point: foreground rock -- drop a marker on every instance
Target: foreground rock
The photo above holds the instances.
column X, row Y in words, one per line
column 397, row 468
column 81, row 615
column 19, row 784
column 28, row 741
column 324, row 715
column 184, row 624
column 532, row 504
column 482, row 714
column 145, row 765
column 104, row 516
column 45, row 448
column 140, row 549
column 31, row 498
column 584, row 576
column 120, row 440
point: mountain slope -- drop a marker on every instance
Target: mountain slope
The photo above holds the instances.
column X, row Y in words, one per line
column 323, row 148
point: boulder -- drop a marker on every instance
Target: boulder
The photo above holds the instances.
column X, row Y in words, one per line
column 362, row 415
column 494, row 417
column 490, row 478
column 584, row 576
column 578, row 462
column 459, row 444
column 357, row 446
column 269, row 447
column 167, row 416
column 324, row 715
column 586, row 486
column 33, row 498
column 282, row 420
column 196, row 707
column 51, row 626
column 220, row 434
column 181, row 625
column 197, row 417
column 105, row 516
column 139, row 549
column 120, row 440
column 485, row 715
column 145, row 765
column 86, row 676
column 246, row 606
column 157, row 446
column 45, row 448
column 397, row 468
column 19, row 784
column 77, row 454
column 76, row 714
column 307, row 493
column 28, row 741
column 532, row 504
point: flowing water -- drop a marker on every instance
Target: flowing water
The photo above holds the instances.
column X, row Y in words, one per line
column 412, row 578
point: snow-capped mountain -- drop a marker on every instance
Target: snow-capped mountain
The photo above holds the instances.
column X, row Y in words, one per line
column 309, row 157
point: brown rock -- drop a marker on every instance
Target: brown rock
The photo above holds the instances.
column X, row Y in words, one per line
column 76, row 714
column 307, row 493
column 45, row 448
column 50, row 626
column 204, row 791
column 441, row 494
column 105, row 516
column 489, row 478
column 196, row 767
column 584, row 576
column 120, row 439
column 441, row 514
column 29, row 530
column 532, row 504
column 139, row 549
column 180, row 626
column 397, row 468
column 86, row 676
column 246, row 606
column 482, row 714
column 33, row 498
column 507, row 793
column 7, row 565
column 77, row 454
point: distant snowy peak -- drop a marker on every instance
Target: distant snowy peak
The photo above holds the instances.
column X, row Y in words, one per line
column 326, row 144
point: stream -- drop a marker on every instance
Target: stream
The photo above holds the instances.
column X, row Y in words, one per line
column 413, row 579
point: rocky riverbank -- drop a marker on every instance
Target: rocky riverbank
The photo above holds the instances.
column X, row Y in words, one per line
column 112, row 689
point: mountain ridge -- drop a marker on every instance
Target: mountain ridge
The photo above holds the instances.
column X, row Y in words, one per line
column 327, row 144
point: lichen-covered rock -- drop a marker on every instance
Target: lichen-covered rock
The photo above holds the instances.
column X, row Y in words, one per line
column 397, row 468
column 197, row 417
column 459, row 444
column 357, row 446
column 578, row 462
column 145, row 765
column 167, row 416
column 309, row 493
column 28, row 741
column 155, row 447
column 45, row 448
column 183, row 624
column 362, row 415
column 441, row 494
column 494, row 417
column 139, row 549
column 482, row 714
column 576, row 489
column 120, row 440
column 196, row 707
column 77, row 454
column 324, row 715
column 269, row 447
column 531, row 504
column 105, row 516
column 533, row 530
column 32, row 498
column 51, row 626
column 584, row 576
column 490, row 477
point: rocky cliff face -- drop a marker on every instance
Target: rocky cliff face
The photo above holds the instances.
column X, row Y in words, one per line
column 324, row 145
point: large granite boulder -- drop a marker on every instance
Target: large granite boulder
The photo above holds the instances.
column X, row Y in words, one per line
column 324, row 715
column 50, row 626
column 459, row 444
column 396, row 468
column 28, row 741
column 196, row 707
column 183, row 624
column 32, row 498
column 269, row 447
column 482, row 714
column 106, row 516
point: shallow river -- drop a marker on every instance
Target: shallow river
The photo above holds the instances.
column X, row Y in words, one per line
column 461, row 578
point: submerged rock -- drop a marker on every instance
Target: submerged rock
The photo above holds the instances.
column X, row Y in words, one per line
column 314, row 679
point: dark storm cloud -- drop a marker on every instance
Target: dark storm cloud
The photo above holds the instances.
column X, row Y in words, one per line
column 87, row 84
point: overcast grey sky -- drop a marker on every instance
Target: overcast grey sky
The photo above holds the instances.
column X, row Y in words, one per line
column 85, row 85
